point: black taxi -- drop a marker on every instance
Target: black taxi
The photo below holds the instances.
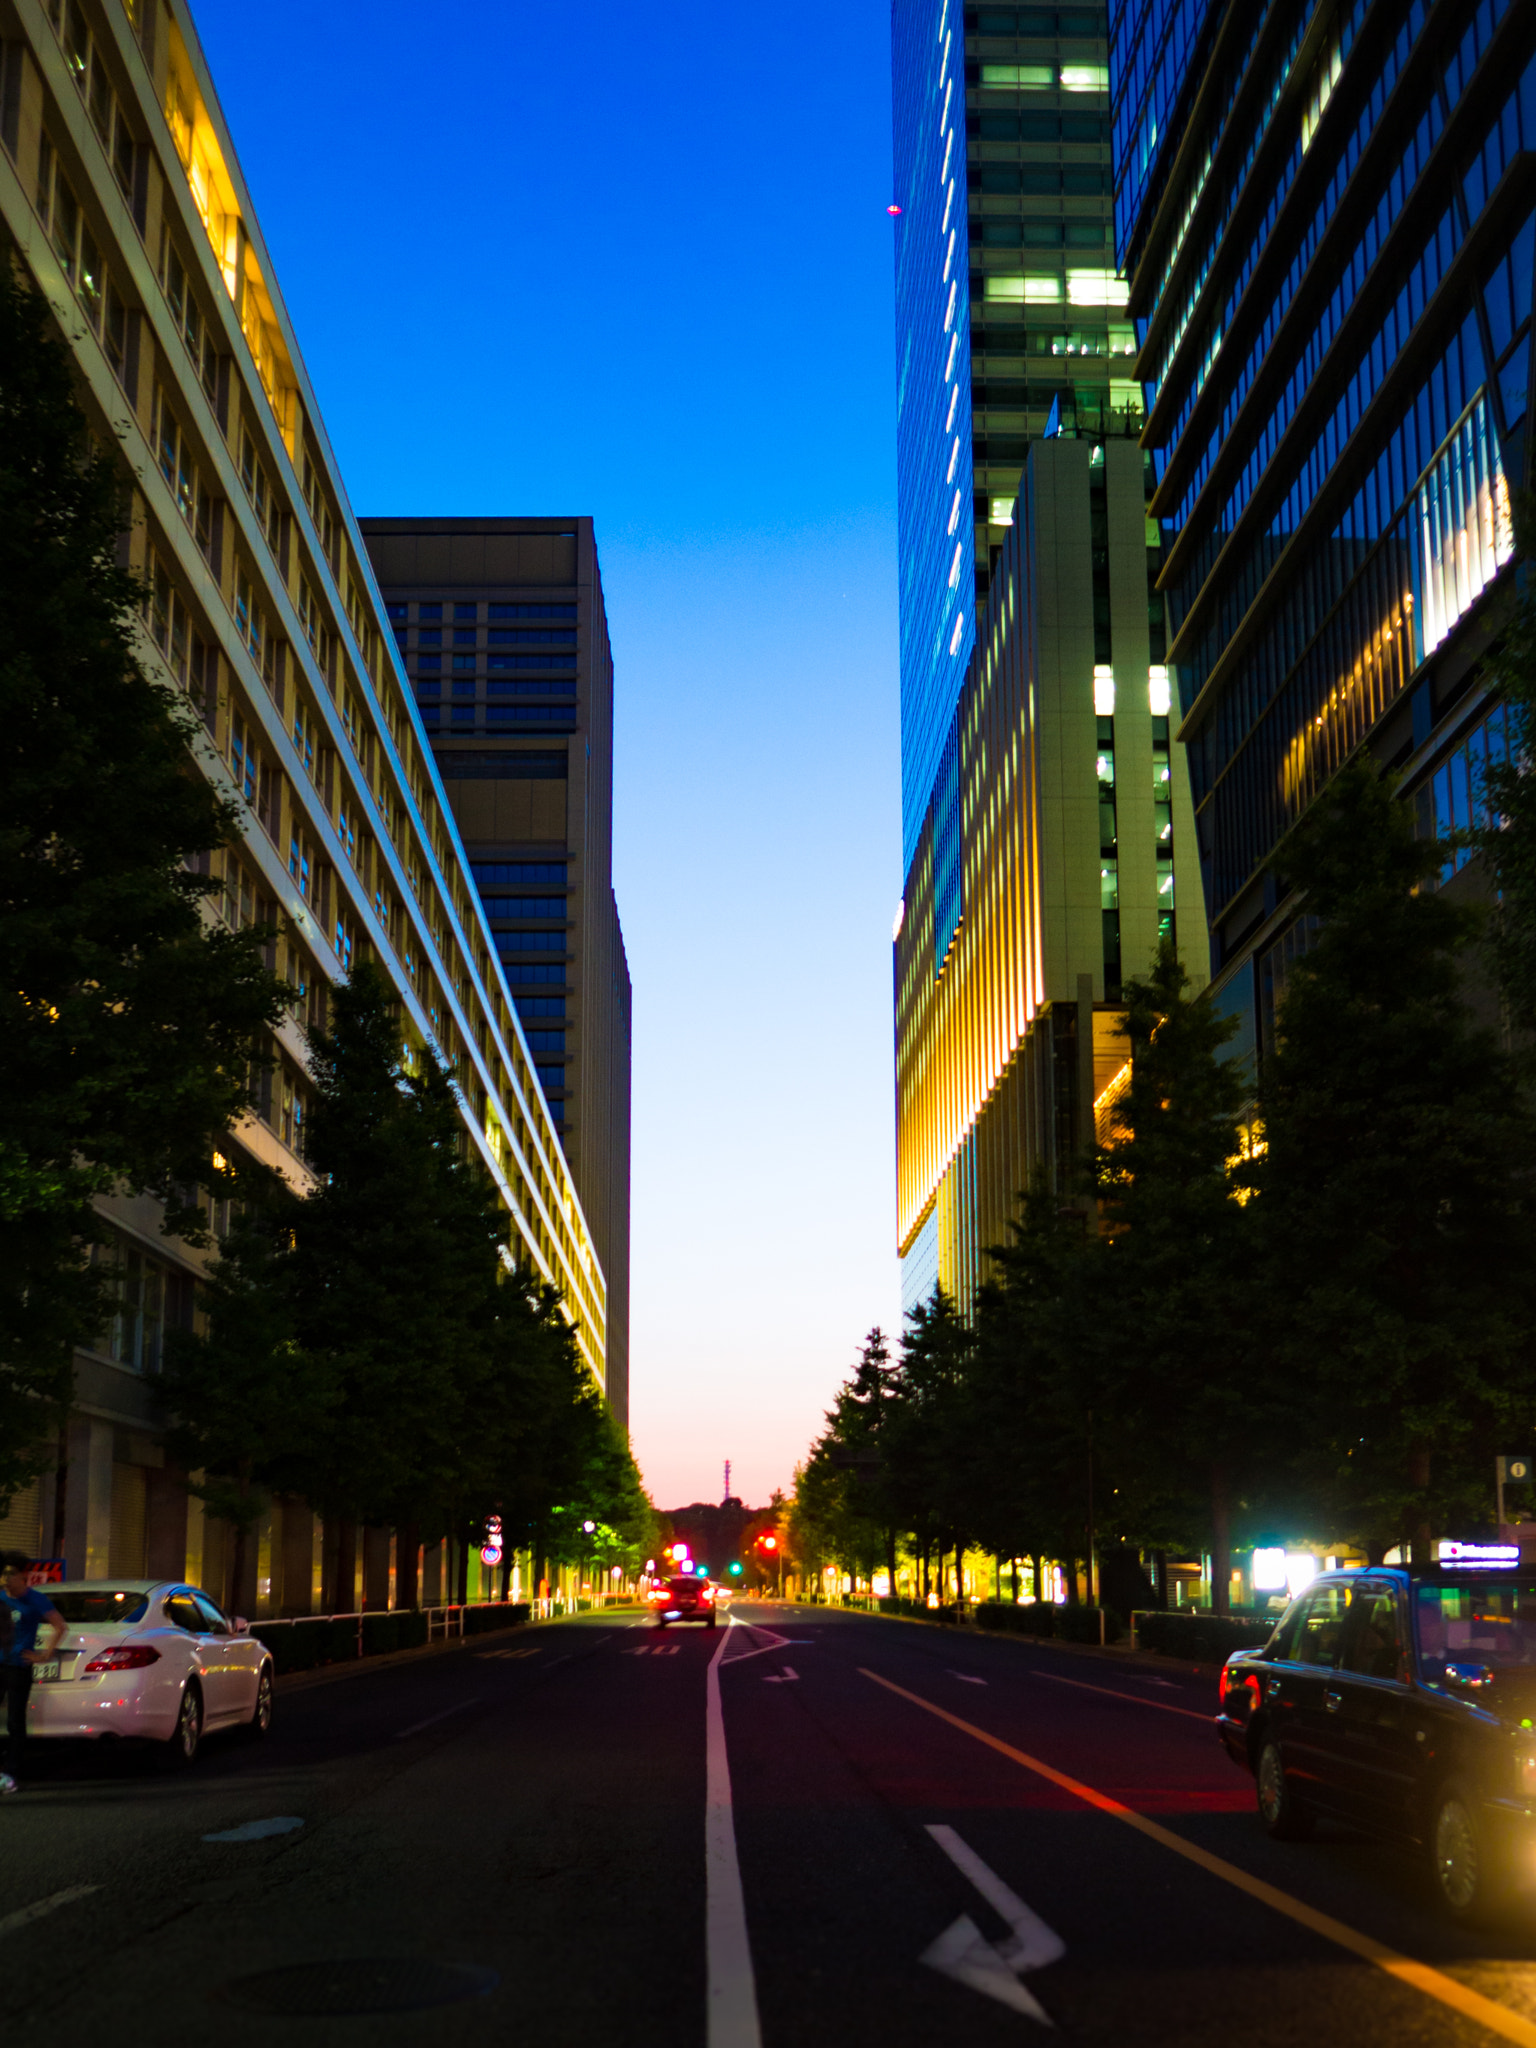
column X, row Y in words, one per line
column 1403, row 1702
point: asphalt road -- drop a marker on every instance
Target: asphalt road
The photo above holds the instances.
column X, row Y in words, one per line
column 849, row 1831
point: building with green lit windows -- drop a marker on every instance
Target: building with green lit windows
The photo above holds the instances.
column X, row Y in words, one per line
column 1046, row 842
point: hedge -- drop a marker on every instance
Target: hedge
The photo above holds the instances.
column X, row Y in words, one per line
column 1203, row 1638
column 914, row 1610
column 1042, row 1618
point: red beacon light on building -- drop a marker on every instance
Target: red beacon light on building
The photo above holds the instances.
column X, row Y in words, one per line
column 893, row 210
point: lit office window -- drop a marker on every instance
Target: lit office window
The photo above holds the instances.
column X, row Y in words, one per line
column 1085, row 78
column 1096, row 288
column 1019, row 77
column 1037, row 288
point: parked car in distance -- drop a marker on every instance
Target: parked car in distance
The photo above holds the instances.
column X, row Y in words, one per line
column 152, row 1659
column 684, row 1599
column 1402, row 1702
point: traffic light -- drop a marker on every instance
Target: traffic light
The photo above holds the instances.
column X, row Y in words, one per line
column 768, row 1542
column 735, row 1571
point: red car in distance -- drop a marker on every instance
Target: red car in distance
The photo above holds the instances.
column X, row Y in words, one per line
column 686, row 1598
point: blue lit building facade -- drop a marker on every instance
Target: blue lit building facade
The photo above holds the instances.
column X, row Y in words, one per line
column 1325, row 215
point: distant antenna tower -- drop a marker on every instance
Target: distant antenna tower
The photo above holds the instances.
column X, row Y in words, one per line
column 727, row 1479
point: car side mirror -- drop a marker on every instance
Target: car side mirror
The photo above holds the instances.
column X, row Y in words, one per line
column 1469, row 1674
column 239, row 1626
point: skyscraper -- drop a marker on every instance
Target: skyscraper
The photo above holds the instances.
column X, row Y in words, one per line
column 1044, row 804
column 502, row 627
column 1325, row 215
column 1006, row 305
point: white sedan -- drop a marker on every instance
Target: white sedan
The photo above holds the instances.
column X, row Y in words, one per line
column 153, row 1659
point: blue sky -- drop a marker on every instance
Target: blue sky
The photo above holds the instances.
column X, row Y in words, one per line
column 636, row 262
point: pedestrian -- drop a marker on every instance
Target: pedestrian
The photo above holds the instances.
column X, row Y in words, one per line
column 24, row 1610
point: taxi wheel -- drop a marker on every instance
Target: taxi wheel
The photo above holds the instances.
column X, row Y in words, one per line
column 1280, row 1810
column 710, row 1623
column 181, row 1749
column 1468, row 1879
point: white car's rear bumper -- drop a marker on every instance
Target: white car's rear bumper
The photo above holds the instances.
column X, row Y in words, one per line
column 84, row 1708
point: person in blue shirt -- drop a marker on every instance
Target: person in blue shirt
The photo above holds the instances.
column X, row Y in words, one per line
column 24, row 1610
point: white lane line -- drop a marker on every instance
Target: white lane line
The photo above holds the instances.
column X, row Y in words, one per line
column 258, row 1830
column 789, row 1676
column 967, row 1678
column 732, row 1996
column 40, row 1908
column 1130, row 1698
column 433, row 1719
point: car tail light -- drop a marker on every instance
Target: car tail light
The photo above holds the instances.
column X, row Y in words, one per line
column 128, row 1657
column 708, row 1592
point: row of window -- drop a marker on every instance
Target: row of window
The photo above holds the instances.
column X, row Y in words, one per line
column 506, row 874
column 1041, row 181
column 1455, row 799
column 552, row 717
column 1039, row 127
column 467, row 636
column 1044, row 78
column 1036, row 21
column 429, row 689
column 431, row 664
column 524, row 906
column 400, row 613
column 1043, row 234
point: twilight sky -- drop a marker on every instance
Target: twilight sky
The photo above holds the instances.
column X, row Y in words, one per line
column 635, row 262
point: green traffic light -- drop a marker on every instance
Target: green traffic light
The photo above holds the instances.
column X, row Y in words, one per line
column 735, row 1571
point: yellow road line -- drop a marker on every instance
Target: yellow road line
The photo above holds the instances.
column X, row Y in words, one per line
column 1498, row 2019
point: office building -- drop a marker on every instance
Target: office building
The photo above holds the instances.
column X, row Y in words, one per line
column 1075, row 845
column 123, row 203
column 503, row 631
column 1325, row 218
column 1022, row 603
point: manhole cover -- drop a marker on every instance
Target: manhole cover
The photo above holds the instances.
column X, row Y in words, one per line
column 359, row 1984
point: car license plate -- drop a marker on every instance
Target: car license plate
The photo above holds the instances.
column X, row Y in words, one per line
column 41, row 1671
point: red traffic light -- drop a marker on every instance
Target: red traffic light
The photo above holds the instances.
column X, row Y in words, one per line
column 769, row 1542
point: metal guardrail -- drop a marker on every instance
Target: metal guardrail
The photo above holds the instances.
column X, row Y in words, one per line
column 442, row 1622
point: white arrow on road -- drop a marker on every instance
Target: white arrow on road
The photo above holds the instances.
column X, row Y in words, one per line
column 788, row 1677
column 963, row 1951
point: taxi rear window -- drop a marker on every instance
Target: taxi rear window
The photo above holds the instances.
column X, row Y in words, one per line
column 1490, row 1622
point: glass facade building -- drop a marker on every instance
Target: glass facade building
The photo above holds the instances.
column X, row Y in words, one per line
column 1006, row 308
column 1325, row 215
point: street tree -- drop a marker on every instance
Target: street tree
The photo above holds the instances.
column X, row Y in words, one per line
column 1395, row 1204
column 128, row 1019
